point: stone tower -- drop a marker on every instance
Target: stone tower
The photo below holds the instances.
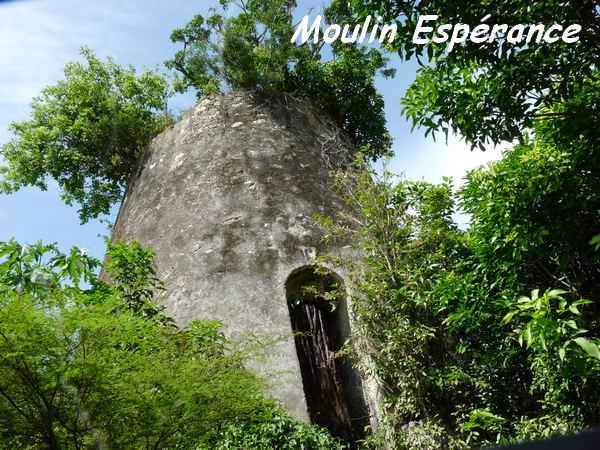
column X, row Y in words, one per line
column 226, row 197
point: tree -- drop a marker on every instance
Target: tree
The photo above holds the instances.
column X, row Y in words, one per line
column 87, row 133
column 253, row 50
column 491, row 92
column 489, row 335
column 534, row 217
column 410, row 246
column 102, row 367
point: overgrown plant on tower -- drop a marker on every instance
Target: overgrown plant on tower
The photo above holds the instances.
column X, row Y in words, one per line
column 88, row 131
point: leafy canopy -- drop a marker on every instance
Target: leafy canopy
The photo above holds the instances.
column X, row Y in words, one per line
column 253, row 50
column 86, row 133
column 490, row 92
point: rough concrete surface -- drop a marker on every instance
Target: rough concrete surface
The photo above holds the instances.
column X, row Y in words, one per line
column 226, row 197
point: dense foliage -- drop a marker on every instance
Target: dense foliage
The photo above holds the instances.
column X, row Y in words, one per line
column 490, row 92
column 253, row 50
column 102, row 366
column 86, row 133
column 489, row 335
column 274, row 430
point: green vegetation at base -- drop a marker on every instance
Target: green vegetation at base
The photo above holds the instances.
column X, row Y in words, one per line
column 274, row 430
column 85, row 364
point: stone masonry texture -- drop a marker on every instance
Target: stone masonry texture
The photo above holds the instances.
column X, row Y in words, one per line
column 227, row 198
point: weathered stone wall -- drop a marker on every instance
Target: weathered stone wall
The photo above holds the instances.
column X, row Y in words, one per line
column 226, row 197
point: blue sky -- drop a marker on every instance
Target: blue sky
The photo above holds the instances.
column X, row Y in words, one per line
column 37, row 37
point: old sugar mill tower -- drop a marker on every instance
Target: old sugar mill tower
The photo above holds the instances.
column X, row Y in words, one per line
column 226, row 197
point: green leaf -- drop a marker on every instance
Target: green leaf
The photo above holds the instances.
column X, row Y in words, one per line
column 590, row 348
column 595, row 241
column 535, row 294
column 571, row 324
column 528, row 335
column 507, row 318
column 556, row 293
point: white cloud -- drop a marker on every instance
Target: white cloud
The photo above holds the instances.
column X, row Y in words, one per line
column 37, row 38
column 423, row 159
column 429, row 160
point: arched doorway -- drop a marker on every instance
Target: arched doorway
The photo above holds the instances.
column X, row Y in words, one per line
column 319, row 319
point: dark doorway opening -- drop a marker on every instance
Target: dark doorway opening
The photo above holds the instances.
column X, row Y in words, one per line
column 319, row 319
